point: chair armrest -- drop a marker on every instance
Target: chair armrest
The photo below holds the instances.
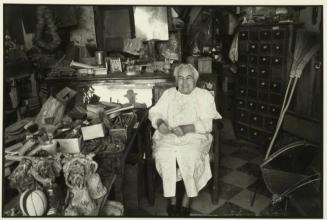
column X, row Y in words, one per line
column 218, row 124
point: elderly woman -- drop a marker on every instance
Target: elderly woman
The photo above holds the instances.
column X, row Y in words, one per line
column 183, row 118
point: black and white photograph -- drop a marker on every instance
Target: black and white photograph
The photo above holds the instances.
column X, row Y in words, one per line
column 162, row 110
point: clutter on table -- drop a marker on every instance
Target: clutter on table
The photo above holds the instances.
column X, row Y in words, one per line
column 60, row 142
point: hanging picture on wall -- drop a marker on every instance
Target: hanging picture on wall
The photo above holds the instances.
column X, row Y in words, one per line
column 115, row 65
column 151, row 23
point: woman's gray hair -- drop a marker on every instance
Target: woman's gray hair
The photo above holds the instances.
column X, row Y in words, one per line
column 187, row 67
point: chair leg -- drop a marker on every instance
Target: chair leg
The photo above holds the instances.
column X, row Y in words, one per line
column 150, row 180
column 215, row 185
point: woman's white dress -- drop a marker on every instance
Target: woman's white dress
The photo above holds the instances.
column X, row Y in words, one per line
column 191, row 151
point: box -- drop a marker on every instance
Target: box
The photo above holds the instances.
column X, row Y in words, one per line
column 205, row 65
column 70, row 145
column 92, row 132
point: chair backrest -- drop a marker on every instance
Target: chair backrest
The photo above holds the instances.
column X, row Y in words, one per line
column 159, row 88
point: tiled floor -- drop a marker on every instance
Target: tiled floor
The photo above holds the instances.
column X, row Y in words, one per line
column 240, row 176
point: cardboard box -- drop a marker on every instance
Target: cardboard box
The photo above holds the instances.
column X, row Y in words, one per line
column 70, row 145
column 92, row 132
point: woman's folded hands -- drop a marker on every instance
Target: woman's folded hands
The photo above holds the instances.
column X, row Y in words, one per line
column 179, row 131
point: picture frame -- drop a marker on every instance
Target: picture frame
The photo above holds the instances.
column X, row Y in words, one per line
column 115, row 65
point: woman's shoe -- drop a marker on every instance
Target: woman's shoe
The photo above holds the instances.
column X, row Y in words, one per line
column 184, row 212
column 172, row 210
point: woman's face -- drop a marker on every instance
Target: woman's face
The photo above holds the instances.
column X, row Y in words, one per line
column 185, row 82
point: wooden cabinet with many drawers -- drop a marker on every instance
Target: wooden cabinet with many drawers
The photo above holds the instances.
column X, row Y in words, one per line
column 263, row 68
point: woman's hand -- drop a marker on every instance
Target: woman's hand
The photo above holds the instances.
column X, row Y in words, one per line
column 178, row 131
column 163, row 127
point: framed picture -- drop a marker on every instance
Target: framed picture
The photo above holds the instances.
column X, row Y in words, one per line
column 115, row 65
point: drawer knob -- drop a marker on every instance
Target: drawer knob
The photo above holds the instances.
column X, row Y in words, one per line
column 251, row 104
column 252, row 70
column 276, row 60
column 241, row 129
column 240, row 102
column 265, row 47
column 242, row 91
column 263, row 71
column 255, row 118
column 264, row 59
column 271, row 122
column 277, row 33
column 262, row 107
column 242, row 115
column 265, row 33
column 255, row 133
column 273, row 110
column 263, row 83
column 252, row 46
column 274, row 85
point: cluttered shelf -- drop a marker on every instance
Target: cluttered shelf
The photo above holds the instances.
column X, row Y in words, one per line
column 112, row 76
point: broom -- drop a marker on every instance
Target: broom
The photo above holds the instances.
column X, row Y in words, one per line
column 305, row 48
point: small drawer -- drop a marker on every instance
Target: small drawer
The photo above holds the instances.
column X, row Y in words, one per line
column 262, row 107
column 264, row 72
column 241, row 130
column 241, row 80
column 252, row 94
column 256, row 120
column 264, row 60
column 240, row 103
column 267, row 138
column 265, row 48
column 274, row 110
column 252, row 82
column 270, row 123
column 278, row 34
column 244, row 35
column 277, row 48
column 276, row 99
column 277, row 61
column 252, row 105
column 242, row 69
column 263, row 84
column 256, row 135
column 241, row 92
column 276, row 72
column 252, row 71
column 253, row 60
column 275, row 86
column 263, row 96
column 242, row 116
column 243, row 59
column 265, row 35
column 254, row 35
column 253, row 48
column 243, row 46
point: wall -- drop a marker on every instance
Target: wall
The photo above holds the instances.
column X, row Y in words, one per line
column 85, row 30
column 305, row 17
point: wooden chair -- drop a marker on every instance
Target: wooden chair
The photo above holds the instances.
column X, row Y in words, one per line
column 149, row 161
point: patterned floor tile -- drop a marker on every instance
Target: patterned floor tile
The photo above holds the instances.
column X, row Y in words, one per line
column 232, row 162
column 244, row 198
column 137, row 213
column 258, row 160
column 260, row 187
column 251, row 169
column 227, row 149
column 230, row 209
column 203, row 203
column 244, row 154
column 227, row 191
column 239, row 179
column 278, row 210
column 223, row 171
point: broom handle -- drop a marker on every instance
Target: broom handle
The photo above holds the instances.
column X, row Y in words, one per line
column 281, row 118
